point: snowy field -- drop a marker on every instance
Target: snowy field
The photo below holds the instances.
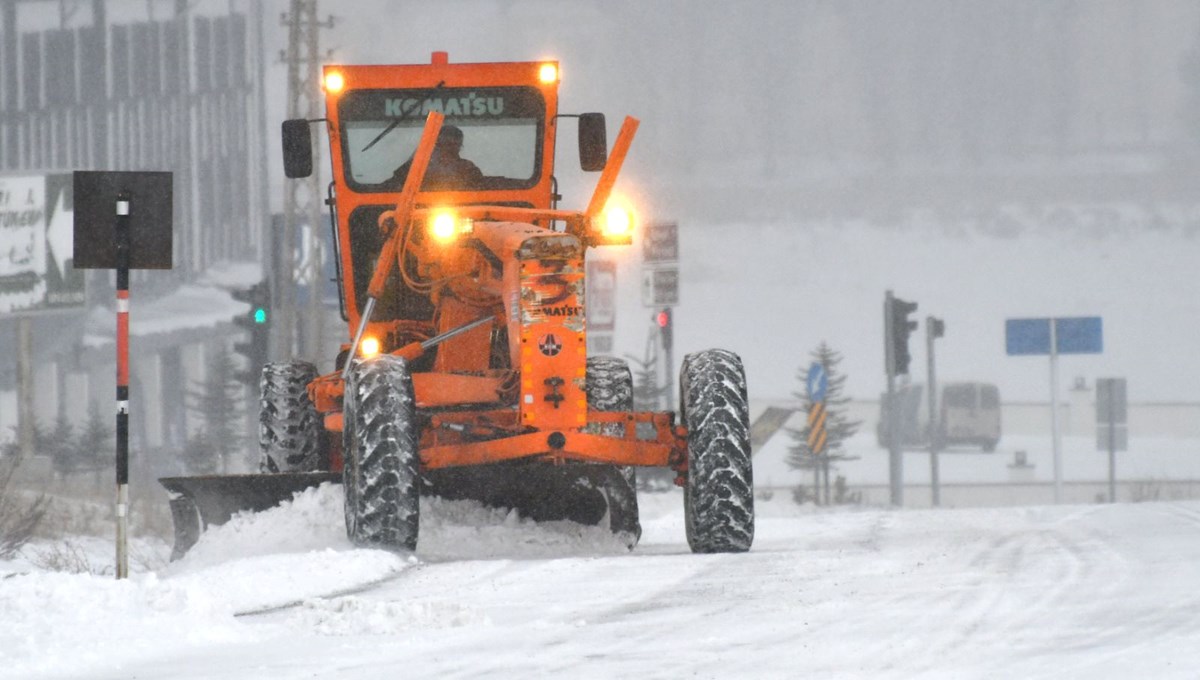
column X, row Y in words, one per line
column 1149, row 460
column 1097, row 591
column 774, row 292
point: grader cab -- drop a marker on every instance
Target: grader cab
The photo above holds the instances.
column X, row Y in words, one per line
column 465, row 373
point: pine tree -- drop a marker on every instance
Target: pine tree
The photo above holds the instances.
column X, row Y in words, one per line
column 647, row 395
column 219, row 403
column 838, row 426
column 95, row 445
column 59, row 443
column 646, row 391
column 199, row 454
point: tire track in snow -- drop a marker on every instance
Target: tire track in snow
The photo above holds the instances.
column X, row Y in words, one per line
column 1078, row 591
column 1135, row 619
column 1001, row 595
column 332, row 595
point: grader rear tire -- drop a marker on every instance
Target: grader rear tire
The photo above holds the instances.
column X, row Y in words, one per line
column 289, row 427
column 381, row 475
column 719, row 494
column 610, row 388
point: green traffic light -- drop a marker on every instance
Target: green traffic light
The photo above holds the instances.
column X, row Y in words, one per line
column 260, row 315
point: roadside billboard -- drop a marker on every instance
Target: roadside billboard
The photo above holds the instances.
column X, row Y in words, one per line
column 36, row 245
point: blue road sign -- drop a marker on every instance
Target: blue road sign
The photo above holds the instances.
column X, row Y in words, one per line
column 1079, row 335
column 1073, row 335
column 1027, row 336
column 817, row 382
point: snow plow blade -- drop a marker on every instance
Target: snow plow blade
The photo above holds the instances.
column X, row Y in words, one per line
column 200, row 502
column 584, row 494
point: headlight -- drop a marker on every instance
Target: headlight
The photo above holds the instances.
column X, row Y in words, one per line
column 446, row 225
column 548, row 73
column 616, row 224
column 369, row 347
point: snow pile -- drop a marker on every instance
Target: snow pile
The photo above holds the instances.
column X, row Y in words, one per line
column 55, row 622
column 294, row 558
column 469, row 530
column 280, row 556
column 50, row 621
column 312, row 520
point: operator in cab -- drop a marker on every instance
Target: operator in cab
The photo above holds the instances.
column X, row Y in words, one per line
column 447, row 168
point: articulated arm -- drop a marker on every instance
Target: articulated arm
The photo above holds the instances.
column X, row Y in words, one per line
column 608, row 178
column 404, row 207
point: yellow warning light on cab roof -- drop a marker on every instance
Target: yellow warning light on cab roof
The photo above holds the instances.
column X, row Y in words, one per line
column 548, row 73
column 334, row 82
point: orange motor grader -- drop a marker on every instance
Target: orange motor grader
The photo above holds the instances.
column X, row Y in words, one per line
column 466, row 372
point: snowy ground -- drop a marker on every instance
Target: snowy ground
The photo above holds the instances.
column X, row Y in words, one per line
column 1105, row 591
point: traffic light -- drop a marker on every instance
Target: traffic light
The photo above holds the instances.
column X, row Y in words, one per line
column 663, row 319
column 901, row 328
column 935, row 326
column 256, row 322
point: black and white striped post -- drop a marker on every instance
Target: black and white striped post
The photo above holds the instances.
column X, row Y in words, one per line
column 123, row 245
column 122, row 222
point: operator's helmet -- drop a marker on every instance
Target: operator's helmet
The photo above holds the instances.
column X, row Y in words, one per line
column 450, row 135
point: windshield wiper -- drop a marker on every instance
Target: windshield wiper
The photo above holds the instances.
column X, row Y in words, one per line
column 392, row 126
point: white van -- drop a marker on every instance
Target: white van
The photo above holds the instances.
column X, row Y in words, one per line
column 970, row 415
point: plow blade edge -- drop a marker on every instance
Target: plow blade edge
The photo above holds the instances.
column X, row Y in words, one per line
column 204, row 501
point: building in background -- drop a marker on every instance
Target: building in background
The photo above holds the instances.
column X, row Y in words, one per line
column 117, row 85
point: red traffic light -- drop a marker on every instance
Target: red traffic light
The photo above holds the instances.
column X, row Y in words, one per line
column 663, row 318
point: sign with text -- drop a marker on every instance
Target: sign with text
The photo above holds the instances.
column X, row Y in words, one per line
column 1112, row 414
column 36, row 244
column 660, row 243
column 660, row 287
column 601, row 296
column 1073, row 335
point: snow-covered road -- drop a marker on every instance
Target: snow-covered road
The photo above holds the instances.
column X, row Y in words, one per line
column 1106, row 591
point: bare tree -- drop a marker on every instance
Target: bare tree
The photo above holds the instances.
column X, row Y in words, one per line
column 19, row 515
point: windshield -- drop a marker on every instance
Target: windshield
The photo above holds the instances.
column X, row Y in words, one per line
column 495, row 140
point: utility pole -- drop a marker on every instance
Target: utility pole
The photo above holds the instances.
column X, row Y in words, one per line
column 301, row 199
column 934, row 328
column 25, row 415
column 666, row 331
column 896, row 329
column 895, row 458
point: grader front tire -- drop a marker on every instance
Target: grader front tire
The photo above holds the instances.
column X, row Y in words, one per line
column 719, row 494
column 381, row 476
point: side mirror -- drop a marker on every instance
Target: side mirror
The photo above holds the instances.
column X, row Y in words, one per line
column 593, row 142
column 297, row 148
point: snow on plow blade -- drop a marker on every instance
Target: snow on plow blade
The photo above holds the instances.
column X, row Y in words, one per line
column 200, row 502
column 585, row 494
